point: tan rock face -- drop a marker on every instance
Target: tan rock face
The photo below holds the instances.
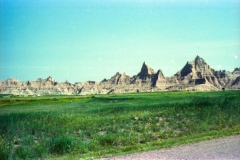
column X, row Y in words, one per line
column 163, row 82
column 195, row 75
column 196, row 69
column 199, row 72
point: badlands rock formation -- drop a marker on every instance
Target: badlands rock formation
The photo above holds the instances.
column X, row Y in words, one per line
column 196, row 75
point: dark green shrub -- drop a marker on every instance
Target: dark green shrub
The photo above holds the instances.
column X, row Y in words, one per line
column 61, row 144
column 21, row 152
column 40, row 150
column 201, row 101
column 107, row 139
column 56, row 99
column 84, row 147
column 3, row 155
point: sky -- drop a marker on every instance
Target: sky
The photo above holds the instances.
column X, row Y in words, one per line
column 78, row 40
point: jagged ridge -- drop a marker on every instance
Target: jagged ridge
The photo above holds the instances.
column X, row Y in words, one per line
column 195, row 75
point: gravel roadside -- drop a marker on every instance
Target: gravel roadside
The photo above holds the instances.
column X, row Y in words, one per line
column 219, row 149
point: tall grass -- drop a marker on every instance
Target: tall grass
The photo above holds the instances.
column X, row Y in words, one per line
column 118, row 123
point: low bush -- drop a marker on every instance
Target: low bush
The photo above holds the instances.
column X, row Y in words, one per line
column 61, row 144
column 3, row 155
column 107, row 139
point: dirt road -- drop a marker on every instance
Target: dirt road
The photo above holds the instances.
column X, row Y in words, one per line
column 218, row 149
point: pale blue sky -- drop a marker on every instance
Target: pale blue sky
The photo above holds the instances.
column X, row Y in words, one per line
column 80, row 41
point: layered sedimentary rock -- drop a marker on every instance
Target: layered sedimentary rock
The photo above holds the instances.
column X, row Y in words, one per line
column 195, row 75
column 194, row 72
column 39, row 87
column 145, row 78
column 163, row 82
column 199, row 72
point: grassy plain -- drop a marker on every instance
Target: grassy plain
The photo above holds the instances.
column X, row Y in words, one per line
column 90, row 127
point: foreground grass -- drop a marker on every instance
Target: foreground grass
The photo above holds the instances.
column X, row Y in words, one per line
column 107, row 125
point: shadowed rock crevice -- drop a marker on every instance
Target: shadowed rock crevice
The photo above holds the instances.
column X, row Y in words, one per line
column 186, row 70
column 145, row 71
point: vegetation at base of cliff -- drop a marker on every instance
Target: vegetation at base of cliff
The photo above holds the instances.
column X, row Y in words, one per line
column 14, row 100
column 106, row 125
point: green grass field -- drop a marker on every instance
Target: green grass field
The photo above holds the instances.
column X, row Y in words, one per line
column 91, row 127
